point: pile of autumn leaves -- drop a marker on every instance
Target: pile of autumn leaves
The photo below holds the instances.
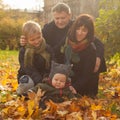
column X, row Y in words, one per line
column 105, row 107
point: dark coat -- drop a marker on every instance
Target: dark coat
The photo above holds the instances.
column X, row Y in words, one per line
column 84, row 80
column 38, row 70
column 55, row 37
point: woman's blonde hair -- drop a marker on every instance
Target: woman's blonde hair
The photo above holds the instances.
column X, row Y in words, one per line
column 30, row 27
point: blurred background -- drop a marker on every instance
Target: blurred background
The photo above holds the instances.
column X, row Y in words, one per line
column 13, row 13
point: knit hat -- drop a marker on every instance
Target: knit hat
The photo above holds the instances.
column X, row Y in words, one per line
column 59, row 68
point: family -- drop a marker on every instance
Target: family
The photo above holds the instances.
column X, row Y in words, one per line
column 64, row 58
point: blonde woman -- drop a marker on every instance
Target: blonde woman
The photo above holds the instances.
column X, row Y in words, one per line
column 34, row 59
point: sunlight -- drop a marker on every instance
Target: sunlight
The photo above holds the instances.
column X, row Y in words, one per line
column 25, row 4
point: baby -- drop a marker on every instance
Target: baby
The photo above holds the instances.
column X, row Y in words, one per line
column 57, row 85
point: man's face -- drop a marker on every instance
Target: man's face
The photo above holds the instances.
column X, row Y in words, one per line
column 61, row 19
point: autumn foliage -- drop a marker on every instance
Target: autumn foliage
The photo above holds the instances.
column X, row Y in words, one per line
column 106, row 106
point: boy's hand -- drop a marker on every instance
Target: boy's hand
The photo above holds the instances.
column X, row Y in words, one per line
column 23, row 41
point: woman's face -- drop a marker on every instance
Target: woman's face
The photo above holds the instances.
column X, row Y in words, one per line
column 81, row 33
column 35, row 39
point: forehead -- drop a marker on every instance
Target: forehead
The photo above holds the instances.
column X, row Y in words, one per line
column 60, row 14
column 59, row 75
column 82, row 27
column 34, row 35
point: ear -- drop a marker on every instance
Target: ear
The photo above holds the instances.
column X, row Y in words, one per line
column 69, row 68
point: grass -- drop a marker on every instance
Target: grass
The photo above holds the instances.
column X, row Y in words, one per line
column 7, row 53
column 9, row 59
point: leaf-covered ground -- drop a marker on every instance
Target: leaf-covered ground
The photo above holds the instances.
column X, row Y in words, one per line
column 105, row 107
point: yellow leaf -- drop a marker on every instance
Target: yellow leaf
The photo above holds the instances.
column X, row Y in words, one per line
column 30, row 107
column 74, row 107
column 31, row 95
column 21, row 110
column 51, row 107
column 96, row 107
column 62, row 113
column 94, row 115
column 5, row 110
column 74, row 116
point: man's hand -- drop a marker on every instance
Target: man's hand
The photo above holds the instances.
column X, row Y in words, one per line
column 97, row 65
column 23, row 41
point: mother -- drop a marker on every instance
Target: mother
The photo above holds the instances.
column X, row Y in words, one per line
column 81, row 52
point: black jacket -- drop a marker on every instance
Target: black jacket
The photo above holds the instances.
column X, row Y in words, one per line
column 55, row 37
column 38, row 70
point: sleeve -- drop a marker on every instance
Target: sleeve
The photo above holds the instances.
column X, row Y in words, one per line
column 45, row 32
column 50, row 90
column 34, row 74
column 68, row 93
column 38, row 86
column 99, row 48
column 21, row 63
column 51, row 52
column 100, row 53
column 31, row 70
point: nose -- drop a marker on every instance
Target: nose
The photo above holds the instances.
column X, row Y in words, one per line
column 60, row 21
column 36, row 42
column 79, row 32
column 58, row 82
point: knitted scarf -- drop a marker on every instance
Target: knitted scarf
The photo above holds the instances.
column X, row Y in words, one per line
column 72, row 50
column 77, row 47
column 31, row 50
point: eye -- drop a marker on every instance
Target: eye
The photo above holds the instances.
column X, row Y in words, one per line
column 56, row 79
column 62, row 81
column 85, row 29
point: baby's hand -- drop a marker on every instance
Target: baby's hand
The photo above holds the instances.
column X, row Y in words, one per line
column 72, row 89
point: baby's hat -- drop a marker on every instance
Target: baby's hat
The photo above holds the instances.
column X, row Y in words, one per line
column 59, row 68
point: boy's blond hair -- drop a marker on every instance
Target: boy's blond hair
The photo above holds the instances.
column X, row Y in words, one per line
column 30, row 27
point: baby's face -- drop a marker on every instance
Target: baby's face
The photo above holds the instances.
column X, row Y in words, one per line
column 59, row 80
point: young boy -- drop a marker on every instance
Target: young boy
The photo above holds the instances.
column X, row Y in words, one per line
column 34, row 59
column 56, row 86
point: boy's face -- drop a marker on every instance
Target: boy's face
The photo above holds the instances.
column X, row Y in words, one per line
column 58, row 80
column 35, row 39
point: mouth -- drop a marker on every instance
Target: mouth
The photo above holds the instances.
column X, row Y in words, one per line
column 57, row 86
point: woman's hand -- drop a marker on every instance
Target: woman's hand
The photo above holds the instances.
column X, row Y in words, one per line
column 97, row 65
column 72, row 89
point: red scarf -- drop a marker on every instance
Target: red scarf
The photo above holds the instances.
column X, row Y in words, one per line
column 78, row 46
